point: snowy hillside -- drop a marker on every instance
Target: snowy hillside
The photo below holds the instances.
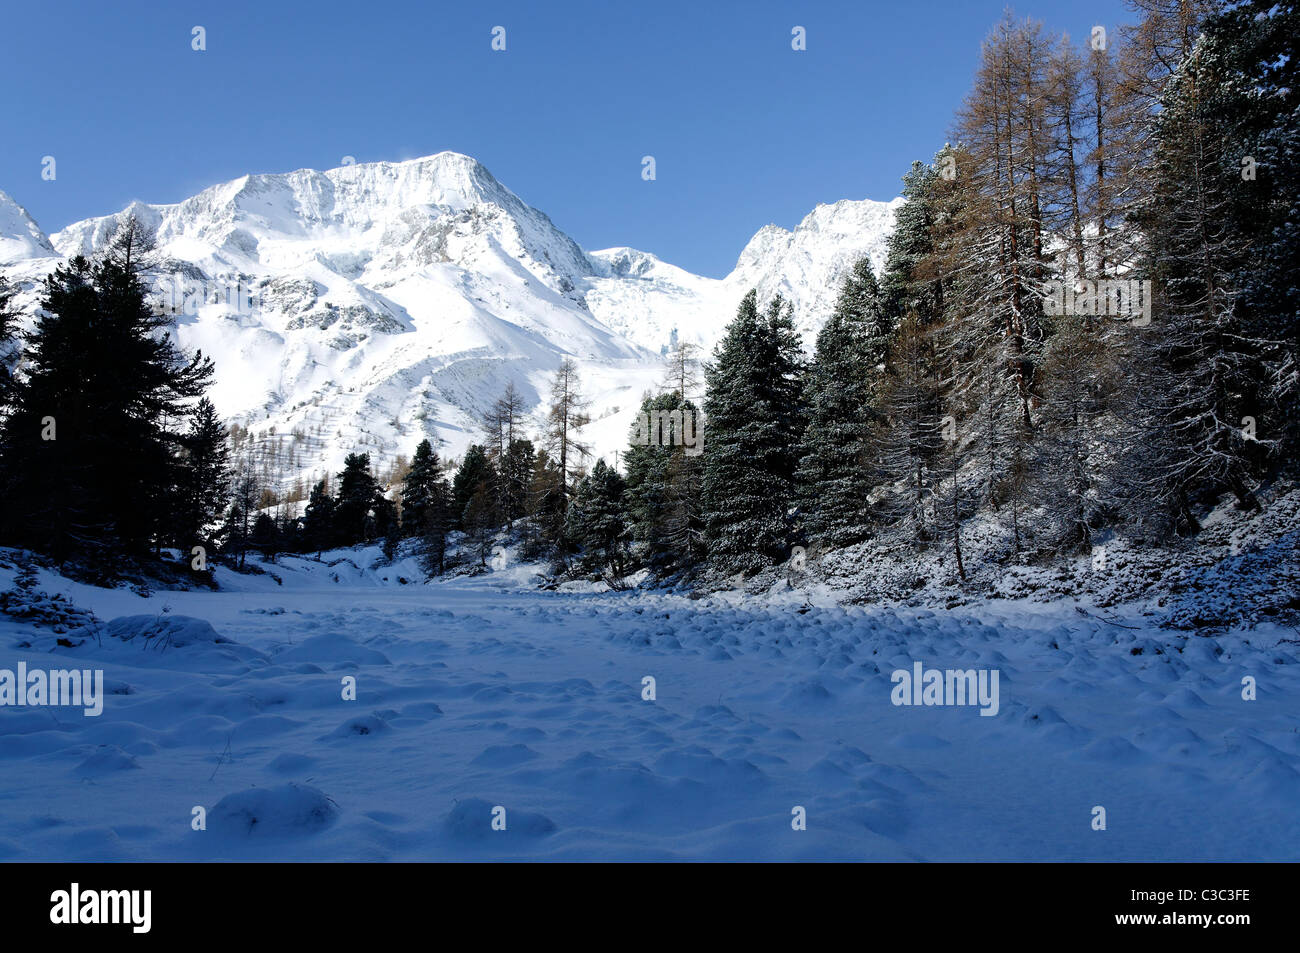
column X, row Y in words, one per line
column 393, row 301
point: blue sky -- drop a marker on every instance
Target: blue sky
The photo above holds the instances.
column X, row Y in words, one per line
column 744, row 130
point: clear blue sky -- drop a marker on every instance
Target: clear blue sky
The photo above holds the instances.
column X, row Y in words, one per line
column 744, row 130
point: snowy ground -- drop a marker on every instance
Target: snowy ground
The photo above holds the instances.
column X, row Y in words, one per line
column 481, row 692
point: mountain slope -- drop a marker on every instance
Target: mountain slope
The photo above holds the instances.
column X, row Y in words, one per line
column 392, row 301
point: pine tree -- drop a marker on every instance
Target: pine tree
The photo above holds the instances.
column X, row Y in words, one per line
column 265, row 535
column 544, row 531
column 1195, row 368
column 420, row 487
column 477, row 519
column 514, row 474
column 318, row 519
column 475, row 471
column 1070, row 464
column 358, row 496
column 1257, row 102
column 88, row 449
column 682, row 369
column 203, row 485
column 647, row 465
column 753, row 414
column 596, row 521
column 837, row 469
column 9, row 350
column 437, row 525
column 664, row 483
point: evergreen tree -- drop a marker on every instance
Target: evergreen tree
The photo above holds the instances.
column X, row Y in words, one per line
column 437, row 524
column 664, row 483
column 9, row 350
column 1196, row 369
column 421, row 486
column 753, row 413
column 503, row 428
column 912, row 429
column 647, row 465
column 1069, row 469
column 265, row 535
column 477, row 520
column 87, row 450
column 318, row 519
column 837, row 469
column 203, row 484
column 514, row 474
column 1257, row 103
column 596, row 521
column 358, row 497
column 475, row 471
column 544, row 531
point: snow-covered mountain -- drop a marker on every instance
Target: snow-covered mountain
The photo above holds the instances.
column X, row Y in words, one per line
column 20, row 237
column 393, row 301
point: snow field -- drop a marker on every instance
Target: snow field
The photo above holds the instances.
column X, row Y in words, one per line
column 474, row 694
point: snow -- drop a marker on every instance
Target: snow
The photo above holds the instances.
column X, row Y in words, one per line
column 479, row 693
column 20, row 237
column 397, row 299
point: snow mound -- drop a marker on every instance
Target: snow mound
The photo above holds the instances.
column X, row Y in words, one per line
column 107, row 760
column 167, row 631
column 360, row 727
column 291, row 810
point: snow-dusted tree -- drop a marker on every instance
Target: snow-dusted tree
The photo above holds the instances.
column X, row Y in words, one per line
column 664, row 484
column 478, row 520
column 514, row 474
column 203, row 479
column 837, row 467
column 1065, row 182
column 9, row 350
column 437, row 525
column 565, row 421
column 910, row 434
column 754, row 415
column 1195, row 370
column 420, row 488
column 544, row 530
column 682, row 369
column 502, row 428
column 1257, row 99
column 1072, row 452
column 596, row 521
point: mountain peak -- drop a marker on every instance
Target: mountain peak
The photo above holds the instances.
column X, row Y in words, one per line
column 20, row 236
